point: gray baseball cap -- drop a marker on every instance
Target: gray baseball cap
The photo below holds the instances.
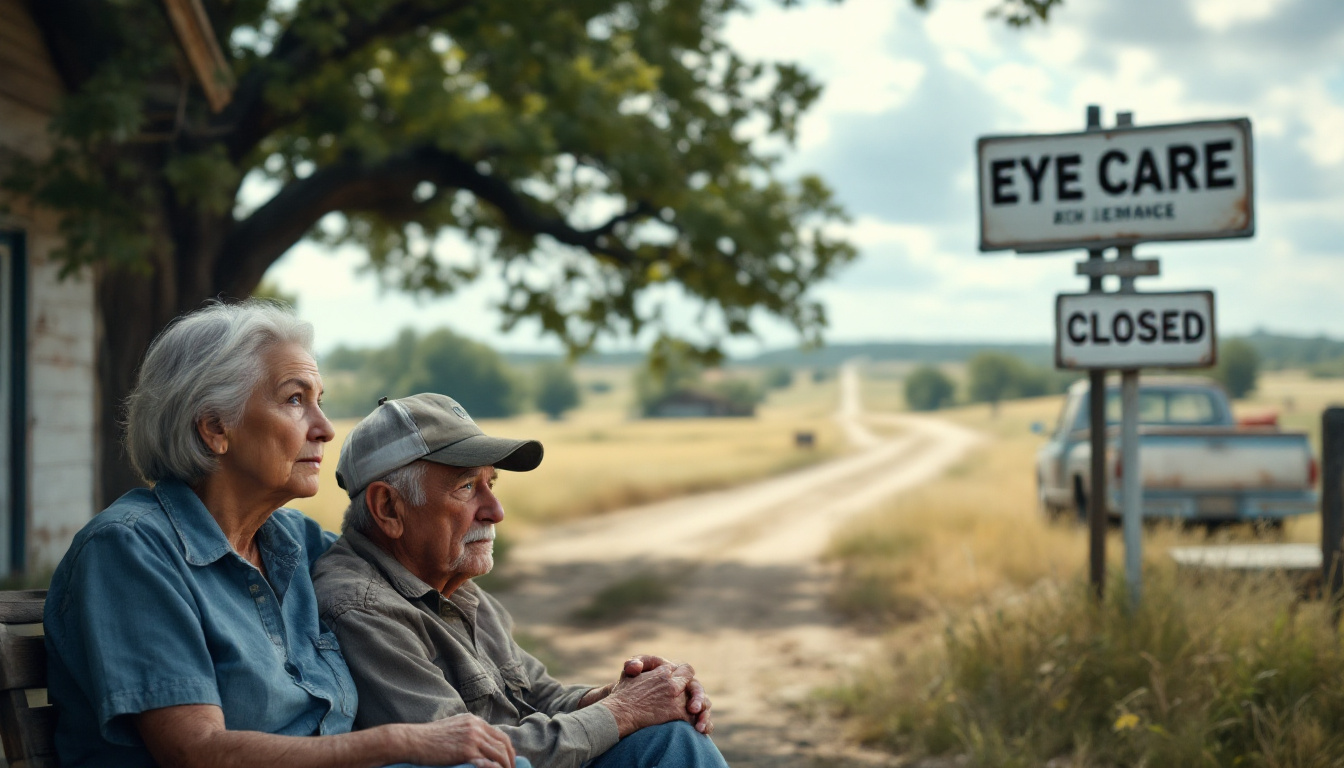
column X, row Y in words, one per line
column 427, row 426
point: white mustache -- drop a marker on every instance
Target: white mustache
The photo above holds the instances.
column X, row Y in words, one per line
column 480, row 533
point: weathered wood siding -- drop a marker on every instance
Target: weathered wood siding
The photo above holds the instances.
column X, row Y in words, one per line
column 61, row 318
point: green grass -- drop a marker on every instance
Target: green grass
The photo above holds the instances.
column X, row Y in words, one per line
column 623, row 598
column 1231, row 673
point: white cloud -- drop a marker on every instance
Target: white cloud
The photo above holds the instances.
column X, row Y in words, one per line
column 1221, row 15
column 1320, row 112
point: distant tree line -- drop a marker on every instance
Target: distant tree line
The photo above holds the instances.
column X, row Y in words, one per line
column 993, row 376
column 442, row 361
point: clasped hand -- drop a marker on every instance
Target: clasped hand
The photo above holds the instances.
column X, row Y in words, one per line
column 652, row 690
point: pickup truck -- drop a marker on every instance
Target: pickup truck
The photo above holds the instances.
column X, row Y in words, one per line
column 1198, row 463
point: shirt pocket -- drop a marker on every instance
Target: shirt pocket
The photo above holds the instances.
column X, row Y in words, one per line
column 330, row 652
column 515, row 677
column 518, row 685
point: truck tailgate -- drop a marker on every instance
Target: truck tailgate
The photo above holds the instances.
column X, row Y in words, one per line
column 1224, row 460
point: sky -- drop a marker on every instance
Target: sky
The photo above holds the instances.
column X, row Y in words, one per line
column 907, row 94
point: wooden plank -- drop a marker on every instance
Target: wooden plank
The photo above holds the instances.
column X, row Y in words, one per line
column 23, row 38
column 1250, row 557
column 24, row 88
column 13, row 12
column 23, row 606
column 13, row 60
column 28, row 734
column 197, row 39
column 23, row 661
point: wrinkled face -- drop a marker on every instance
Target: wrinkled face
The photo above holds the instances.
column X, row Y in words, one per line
column 277, row 447
column 453, row 533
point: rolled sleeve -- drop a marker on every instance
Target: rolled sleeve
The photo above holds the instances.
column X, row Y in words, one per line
column 566, row 740
column 132, row 661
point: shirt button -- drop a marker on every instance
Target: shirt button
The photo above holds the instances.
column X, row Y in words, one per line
column 254, row 589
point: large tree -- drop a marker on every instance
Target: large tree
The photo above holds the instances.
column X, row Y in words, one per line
column 592, row 149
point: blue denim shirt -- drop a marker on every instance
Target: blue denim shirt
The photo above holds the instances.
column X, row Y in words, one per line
column 152, row 608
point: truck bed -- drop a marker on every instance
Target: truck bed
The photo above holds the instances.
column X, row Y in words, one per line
column 1223, row 459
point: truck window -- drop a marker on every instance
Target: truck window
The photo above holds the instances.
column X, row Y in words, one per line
column 1189, row 407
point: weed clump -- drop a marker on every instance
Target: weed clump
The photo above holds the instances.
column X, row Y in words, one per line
column 1218, row 673
column 621, row 599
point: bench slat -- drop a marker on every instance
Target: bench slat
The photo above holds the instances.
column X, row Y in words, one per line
column 29, row 734
column 22, row 606
column 23, row 661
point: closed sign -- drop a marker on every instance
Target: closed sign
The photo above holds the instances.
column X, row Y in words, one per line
column 1135, row 330
column 1095, row 189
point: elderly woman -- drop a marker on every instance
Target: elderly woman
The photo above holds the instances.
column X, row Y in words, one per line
column 182, row 627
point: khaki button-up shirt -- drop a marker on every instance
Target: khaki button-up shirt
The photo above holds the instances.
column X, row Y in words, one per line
column 417, row 657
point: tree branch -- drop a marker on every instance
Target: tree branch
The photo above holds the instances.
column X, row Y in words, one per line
column 386, row 188
column 250, row 119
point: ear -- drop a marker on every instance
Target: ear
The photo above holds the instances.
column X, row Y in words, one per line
column 213, row 434
column 387, row 509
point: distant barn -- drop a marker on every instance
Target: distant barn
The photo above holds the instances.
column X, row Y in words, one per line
column 697, row 405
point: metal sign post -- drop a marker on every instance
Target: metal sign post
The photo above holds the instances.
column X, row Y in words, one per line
column 1131, row 479
column 1096, row 418
column 1332, row 508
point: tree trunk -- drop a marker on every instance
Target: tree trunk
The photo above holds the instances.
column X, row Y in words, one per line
column 133, row 307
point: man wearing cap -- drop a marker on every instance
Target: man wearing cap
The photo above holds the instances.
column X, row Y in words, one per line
column 423, row 642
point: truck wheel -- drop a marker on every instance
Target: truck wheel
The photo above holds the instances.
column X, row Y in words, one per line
column 1079, row 501
column 1049, row 511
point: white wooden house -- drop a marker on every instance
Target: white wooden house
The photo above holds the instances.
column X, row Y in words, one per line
column 49, row 329
column 48, row 334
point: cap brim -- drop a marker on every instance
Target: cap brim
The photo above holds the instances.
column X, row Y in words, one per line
column 487, row 451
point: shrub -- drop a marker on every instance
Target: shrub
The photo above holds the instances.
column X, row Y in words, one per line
column 996, row 376
column 778, row 377
column 1238, row 367
column 928, row 389
column 557, row 391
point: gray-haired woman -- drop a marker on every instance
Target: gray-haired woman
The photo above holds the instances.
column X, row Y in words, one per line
column 182, row 627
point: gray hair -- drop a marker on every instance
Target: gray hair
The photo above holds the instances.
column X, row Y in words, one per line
column 407, row 481
column 204, row 365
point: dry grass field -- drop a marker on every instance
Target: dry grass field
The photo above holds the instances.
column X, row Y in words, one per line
column 600, row 458
column 976, row 533
column 995, row 653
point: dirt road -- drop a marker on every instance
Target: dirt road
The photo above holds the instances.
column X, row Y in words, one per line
column 747, row 605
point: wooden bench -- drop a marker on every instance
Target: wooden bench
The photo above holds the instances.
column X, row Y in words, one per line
column 27, row 722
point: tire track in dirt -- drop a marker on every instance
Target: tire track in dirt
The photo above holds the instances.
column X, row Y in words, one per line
column 749, row 590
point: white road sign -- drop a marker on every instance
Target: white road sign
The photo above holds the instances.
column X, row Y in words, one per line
column 1135, row 330
column 1191, row 181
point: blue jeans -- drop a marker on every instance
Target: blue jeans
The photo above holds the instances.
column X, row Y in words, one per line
column 520, row 763
column 670, row 745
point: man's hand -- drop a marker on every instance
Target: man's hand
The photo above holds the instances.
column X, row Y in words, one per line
column 697, row 702
column 462, row 739
column 651, row 698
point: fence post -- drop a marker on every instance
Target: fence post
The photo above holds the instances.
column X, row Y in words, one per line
column 1332, row 507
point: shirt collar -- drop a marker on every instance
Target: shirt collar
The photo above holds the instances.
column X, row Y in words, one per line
column 203, row 541
column 407, row 584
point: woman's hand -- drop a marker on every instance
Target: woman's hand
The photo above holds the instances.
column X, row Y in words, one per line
column 194, row 736
column 462, row 739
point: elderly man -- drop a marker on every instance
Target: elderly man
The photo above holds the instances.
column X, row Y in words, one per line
column 424, row 643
